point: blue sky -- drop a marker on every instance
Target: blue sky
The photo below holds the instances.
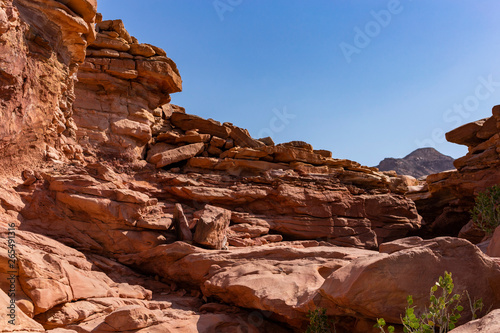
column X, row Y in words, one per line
column 366, row 79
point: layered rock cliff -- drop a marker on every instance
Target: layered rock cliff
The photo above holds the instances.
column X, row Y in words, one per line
column 122, row 212
column 42, row 43
column 448, row 197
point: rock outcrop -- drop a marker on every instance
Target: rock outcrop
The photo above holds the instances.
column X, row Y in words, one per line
column 60, row 287
column 271, row 192
column 448, row 197
column 145, row 218
column 420, row 163
column 41, row 44
column 120, row 86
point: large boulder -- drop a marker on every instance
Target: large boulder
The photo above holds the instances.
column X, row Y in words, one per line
column 280, row 278
column 211, row 227
column 377, row 286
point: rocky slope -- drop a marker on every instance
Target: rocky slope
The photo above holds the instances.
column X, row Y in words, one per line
column 419, row 163
column 121, row 212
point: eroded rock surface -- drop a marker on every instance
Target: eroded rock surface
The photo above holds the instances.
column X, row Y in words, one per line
column 41, row 44
column 119, row 85
column 448, row 197
column 144, row 217
column 488, row 324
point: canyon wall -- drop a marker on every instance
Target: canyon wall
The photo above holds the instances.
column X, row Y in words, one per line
column 41, row 44
column 119, row 211
column 447, row 197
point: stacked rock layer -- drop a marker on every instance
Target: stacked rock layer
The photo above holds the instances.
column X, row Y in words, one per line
column 136, row 216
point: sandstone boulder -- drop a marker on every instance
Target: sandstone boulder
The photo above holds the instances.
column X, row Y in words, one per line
column 132, row 128
column 142, row 50
column 488, row 324
column 17, row 320
column 494, row 246
column 282, row 279
column 211, row 227
column 396, row 275
column 189, row 122
column 129, row 318
column 177, row 155
column 181, row 224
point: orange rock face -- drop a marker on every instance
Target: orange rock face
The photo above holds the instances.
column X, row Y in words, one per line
column 119, row 85
column 145, row 218
column 42, row 43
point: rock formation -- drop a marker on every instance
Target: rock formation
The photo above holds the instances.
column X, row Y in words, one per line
column 119, row 85
column 420, row 163
column 42, row 43
column 488, row 324
column 448, row 196
column 270, row 191
column 120, row 212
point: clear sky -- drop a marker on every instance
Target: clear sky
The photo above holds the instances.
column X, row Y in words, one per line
column 366, row 79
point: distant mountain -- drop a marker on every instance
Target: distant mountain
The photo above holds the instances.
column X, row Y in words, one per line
column 421, row 162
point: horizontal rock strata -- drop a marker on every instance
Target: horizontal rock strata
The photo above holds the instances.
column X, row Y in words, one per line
column 446, row 200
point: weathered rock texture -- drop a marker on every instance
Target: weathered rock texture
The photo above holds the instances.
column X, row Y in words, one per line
column 41, row 44
column 144, row 218
column 421, row 162
column 119, row 85
column 448, row 197
column 270, row 191
column 488, row 324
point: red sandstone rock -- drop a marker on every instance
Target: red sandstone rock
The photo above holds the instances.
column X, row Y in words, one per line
column 39, row 39
column 110, row 68
column 181, row 224
column 488, row 324
column 21, row 322
column 250, row 189
column 211, row 227
column 176, row 155
column 131, row 128
column 446, row 205
column 494, row 246
column 188, row 122
column 128, row 318
column 281, row 279
column 399, row 274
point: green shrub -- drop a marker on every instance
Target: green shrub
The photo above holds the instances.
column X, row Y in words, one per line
column 442, row 314
column 319, row 323
column 381, row 323
column 486, row 212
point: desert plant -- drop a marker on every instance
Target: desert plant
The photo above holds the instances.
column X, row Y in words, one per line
column 442, row 314
column 476, row 306
column 381, row 324
column 486, row 212
column 319, row 323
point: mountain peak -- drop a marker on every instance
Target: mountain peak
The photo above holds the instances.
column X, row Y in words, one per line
column 419, row 163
